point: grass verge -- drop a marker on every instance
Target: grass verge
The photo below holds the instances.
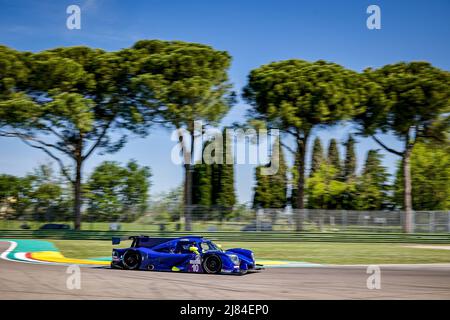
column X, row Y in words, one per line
column 323, row 252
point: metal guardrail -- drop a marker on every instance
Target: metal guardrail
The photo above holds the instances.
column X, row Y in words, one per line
column 238, row 236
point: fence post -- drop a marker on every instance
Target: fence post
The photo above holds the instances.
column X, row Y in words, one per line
column 448, row 221
column 259, row 213
column 321, row 217
column 431, row 221
column 344, row 219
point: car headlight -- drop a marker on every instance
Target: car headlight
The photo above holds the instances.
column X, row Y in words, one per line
column 253, row 256
column 235, row 259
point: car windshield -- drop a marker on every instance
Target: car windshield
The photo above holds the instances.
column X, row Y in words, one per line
column 209, row 245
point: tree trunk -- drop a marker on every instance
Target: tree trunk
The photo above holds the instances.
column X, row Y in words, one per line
column 187, row 196
column 188, row 169
column 77, row 195
column 407, row 198
column 301, row 149
column 408, row 224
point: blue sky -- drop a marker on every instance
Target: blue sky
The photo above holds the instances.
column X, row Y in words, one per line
column 253, row 32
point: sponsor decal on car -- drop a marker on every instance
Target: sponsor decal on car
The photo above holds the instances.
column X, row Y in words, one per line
column 195, row 265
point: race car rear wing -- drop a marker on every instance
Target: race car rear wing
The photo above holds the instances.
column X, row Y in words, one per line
column 116, row 240
column 143, row 241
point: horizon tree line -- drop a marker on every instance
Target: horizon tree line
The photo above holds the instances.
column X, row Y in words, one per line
column 335, row 184
column 113, row 192
column 92, row 100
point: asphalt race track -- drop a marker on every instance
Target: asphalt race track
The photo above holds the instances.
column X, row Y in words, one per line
column 37, row 281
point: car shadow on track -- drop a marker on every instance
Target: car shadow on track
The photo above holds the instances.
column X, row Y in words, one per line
column 210, row 274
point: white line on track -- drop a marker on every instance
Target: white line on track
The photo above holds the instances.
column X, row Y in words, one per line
column 18, row 255
column 11, row 248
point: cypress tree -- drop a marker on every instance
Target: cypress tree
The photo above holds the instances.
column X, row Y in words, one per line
column 201, row 185
column 350, row 159
column 317, row 155
column 373, row 186
column 373, row 162
column 278, row 181
column 226, row 197
column 333, row 155
column 261, row 196
column 202, row 188
column 271, row 190
column 294, row 190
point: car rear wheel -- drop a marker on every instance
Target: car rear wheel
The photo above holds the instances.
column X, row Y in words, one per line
column 131, row 260
column 212, row 264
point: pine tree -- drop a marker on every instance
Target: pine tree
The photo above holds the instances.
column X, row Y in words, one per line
column 317, row 155
column 350, row 159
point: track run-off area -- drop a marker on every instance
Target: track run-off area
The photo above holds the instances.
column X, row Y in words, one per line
column 32, row 269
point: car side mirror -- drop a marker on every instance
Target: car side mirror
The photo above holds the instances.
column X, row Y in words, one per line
column 193, row 249
column 115, row 240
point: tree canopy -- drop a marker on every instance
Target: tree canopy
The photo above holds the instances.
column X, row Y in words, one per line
column 410, row 100
column 117, row 193
column 91, row 100
column 72, row 113
column 295, row 96
column 188, row 80
column 324, row 190
column 430, row 178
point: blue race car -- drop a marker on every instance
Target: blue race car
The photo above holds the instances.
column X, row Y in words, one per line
column 187, row 254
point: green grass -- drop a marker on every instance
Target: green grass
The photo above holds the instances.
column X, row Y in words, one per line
column 325, row 253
